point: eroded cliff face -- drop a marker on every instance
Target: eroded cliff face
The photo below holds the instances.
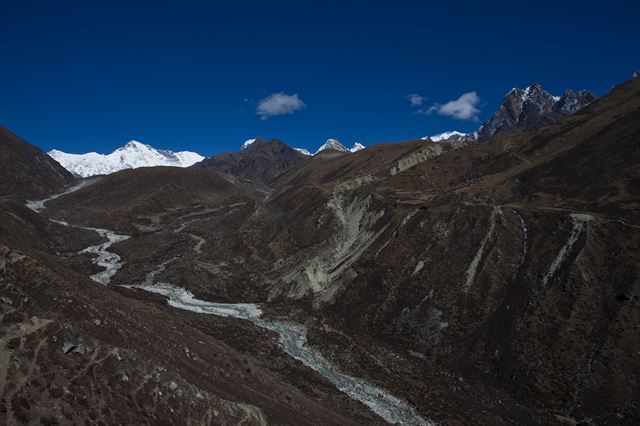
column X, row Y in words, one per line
column 509, row 295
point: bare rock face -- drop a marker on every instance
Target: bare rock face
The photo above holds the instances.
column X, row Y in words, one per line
column 523, row 110
column 528, row 109
column 259, row 162
column 571, row 102
column 27, row 171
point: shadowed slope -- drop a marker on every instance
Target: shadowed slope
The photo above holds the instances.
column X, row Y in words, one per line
column 27, row 171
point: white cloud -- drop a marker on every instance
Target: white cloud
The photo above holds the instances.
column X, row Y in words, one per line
column 279, row 104
column 415, row 99
column 463, row 108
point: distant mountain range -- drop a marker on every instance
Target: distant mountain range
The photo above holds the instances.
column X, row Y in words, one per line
column 133, row 155
column 336, row 145
column 330, row 143
column 259, row 161
column 523, row 110
column 136, row 154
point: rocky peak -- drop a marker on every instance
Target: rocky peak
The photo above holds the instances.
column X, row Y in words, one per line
column 258, row 162
column 570, row 101
column 530, row 108
column 253, row 143
column 537, row 100
column 334, row 144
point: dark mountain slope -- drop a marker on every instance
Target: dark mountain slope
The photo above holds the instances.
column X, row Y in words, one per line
column 73, row 350
column 142, row 196
column 26, row 171
column 377, row 160
column 80, row 351
column 259, row 163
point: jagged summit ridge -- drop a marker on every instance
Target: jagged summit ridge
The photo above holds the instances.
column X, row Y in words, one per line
column 132, row 155
column 336, row 145
column 452, row 136
column 523, row 110
column 571, row 102
column 253, row 143
column 331, row 143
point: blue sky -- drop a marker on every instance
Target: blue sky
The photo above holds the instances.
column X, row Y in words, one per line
column 89, row 76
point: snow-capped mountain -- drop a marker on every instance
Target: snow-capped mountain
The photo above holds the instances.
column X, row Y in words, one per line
column 336, row 145
column 523, row 110
column 303, row 151
column 252, row 143
column 356, row 147
column 133, row 155
column 452, row 136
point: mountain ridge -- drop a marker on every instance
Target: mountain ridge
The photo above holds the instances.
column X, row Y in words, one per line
column 132, row 155
column 26, row 170
column 523, row 110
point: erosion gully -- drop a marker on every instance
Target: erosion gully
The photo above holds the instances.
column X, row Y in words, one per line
column 293, row 338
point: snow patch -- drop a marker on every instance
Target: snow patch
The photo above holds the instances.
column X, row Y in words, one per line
column 303, row 151
column 247, row 143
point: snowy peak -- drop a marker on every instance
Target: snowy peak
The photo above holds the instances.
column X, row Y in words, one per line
column 452, row 136
column 246, row 144
column 336, row 145
column 303, row 151
column 356, row 147
column 132, row 155
column 253, row 143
